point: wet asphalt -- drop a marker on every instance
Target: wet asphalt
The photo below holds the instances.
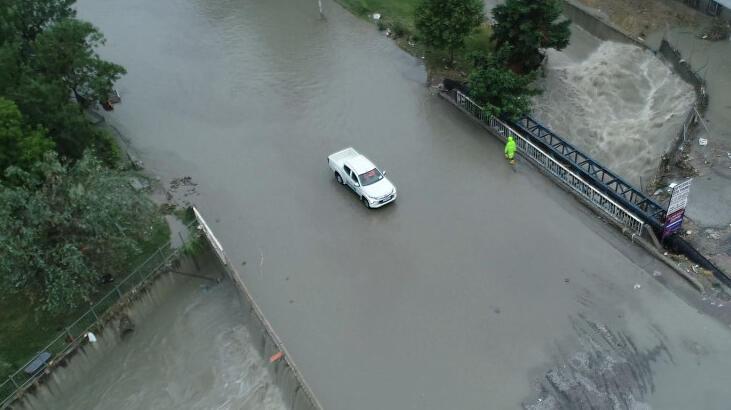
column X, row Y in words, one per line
column 465, row 293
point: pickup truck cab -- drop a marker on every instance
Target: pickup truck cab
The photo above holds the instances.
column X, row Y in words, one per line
column 361, row 176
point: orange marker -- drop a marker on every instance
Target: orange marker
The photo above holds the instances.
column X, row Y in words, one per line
column 276, row 356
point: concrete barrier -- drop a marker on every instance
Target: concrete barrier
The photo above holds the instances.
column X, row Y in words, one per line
column 297, row 394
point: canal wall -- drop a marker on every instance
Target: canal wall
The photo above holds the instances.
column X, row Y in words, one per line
column 675, row 158
column 123, row 292
column 673, row 164
column 78, row 364
column 599, row 26
column 296, row 392
column 596, row 25
column 189, row 349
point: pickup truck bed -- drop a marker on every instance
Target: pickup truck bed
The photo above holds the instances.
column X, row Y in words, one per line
column 341, row 156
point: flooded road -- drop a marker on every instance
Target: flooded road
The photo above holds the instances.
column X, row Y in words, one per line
column 473, row 290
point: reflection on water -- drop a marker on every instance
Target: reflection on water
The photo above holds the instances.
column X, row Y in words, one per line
column 190, row 349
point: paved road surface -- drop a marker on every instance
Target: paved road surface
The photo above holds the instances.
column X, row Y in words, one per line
column 463, row 294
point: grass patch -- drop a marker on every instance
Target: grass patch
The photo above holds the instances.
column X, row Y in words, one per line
column 396, row 10
column 25, row 330
column 185, row 215
column 160, row 236
column 437, row 62
column 398, row 16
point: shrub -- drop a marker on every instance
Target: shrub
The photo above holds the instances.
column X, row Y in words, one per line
column 399, row 30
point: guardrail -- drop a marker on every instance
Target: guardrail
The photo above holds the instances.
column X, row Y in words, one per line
column 74, row 334
column 549, row 164
column 295, row 390
column 604, row 179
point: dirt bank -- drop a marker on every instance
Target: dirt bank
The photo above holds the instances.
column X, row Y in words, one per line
column 638, row 18
column 708, row 223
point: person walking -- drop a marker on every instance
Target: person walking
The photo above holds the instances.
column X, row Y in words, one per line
column 510, row 149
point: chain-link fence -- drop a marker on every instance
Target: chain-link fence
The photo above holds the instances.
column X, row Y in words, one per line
column 74, row 333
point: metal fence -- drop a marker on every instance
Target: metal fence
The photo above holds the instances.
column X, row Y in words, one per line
column 547, row 163
column 296, row 392
column 710, row 7
column 74, row 333
column 601, row 177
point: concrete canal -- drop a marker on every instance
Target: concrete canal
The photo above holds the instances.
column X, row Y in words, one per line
column 191, row 348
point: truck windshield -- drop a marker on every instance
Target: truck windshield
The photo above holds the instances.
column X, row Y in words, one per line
column 370, row 177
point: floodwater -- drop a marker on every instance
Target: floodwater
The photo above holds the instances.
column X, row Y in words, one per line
column 190, row 350
column 477, row 289
column 617, row 102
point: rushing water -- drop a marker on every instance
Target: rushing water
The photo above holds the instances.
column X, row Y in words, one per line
column 190, row 350
column 620, row 104
column 476, row 289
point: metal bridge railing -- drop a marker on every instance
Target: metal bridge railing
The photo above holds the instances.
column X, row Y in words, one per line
column 572, row 180
column 74, row 333
column 612, row 184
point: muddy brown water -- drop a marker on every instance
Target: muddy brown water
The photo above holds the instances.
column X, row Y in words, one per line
column 474, row 290
column 191, row 348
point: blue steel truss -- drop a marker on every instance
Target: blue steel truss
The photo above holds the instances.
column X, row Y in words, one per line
column 609, row 182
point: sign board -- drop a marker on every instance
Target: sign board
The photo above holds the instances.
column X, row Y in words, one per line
column 676, row 209
column 211, row 238
column 679, row 198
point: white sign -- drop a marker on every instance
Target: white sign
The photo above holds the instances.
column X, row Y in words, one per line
column 679, row 199
column 211, row 238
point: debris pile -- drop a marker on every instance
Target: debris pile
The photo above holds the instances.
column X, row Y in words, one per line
column 180, row 189
column 718, row 30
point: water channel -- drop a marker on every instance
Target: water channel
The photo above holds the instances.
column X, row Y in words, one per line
column 190, row 349
column 617, row 102
column 477, row 289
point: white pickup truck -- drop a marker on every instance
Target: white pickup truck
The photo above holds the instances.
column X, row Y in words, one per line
column 364, row 178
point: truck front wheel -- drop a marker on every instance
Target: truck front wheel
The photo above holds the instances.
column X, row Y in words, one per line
column 339, row 178
column 365, row 202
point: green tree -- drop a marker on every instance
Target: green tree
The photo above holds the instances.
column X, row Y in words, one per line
column 19, row 145
column 64, row 226
column 46, row 56
column 529, row 26
column 444, row 24
column 28, row 18
column 501, row 91
column 65, row 53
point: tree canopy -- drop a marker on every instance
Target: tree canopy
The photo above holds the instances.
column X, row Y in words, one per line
column 66, row 52
column 47, row 58
column 501, row 91
column 64, row 226
column 28, row 18
column 20, row 145
column 528, row 26
column 444, row 24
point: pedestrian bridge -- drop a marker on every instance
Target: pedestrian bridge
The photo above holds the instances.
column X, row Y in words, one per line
column 592, row 182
